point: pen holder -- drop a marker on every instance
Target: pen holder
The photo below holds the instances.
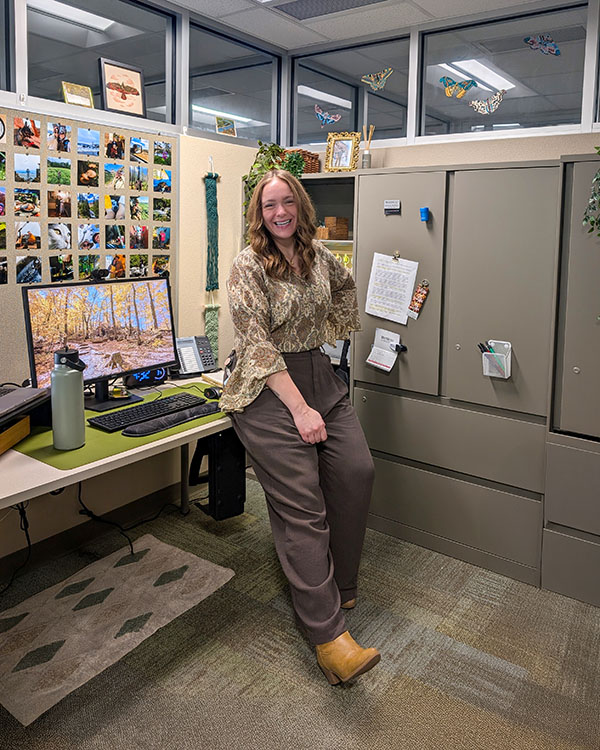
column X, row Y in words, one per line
column 497, row 364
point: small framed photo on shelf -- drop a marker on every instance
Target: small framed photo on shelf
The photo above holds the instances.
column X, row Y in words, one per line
column 122, row 88
column 342, row 152
column 225, row 126
column 74, row 93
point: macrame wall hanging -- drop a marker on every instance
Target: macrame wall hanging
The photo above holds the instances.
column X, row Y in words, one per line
column 211, row 310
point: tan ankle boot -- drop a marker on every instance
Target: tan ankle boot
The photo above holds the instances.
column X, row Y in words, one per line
column 342, row 659
column 350, row 604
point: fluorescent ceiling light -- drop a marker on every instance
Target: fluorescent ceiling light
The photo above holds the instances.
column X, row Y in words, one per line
column 500, row 125
column 70, row 14
column 324, row 97
column 218, row 113
column 487, row 75
column 460, row 74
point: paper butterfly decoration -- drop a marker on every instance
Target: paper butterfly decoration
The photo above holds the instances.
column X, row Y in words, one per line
column 377, row 80
column 543, row 42
column 489, row 105
column 325, row 118
column 460, row 88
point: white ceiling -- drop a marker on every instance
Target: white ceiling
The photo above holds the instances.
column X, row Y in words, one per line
column 294, row 24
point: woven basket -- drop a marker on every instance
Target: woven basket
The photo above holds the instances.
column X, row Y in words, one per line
column 311, row 161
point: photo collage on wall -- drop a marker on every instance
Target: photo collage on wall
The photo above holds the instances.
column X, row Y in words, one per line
column 77, row 197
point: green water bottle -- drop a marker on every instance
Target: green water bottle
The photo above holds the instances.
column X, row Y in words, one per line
column 66, row 394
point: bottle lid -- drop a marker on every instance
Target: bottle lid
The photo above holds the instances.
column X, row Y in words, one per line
column 68, row 357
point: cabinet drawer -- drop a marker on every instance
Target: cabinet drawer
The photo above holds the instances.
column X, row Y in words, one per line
column 572, row 481
column 570, row 566
column 502, row 449
column 497, row 522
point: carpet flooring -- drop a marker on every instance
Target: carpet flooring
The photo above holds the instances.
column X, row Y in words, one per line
column 470, row 660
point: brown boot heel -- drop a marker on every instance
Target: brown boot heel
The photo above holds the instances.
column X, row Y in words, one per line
column 350, row 604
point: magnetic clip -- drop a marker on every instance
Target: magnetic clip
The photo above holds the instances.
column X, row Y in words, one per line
column 399, row 347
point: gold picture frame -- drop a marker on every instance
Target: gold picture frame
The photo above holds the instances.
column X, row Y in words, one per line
column 75, row 93
column 342, row 152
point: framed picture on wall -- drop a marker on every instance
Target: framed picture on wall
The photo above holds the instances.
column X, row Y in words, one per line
column 74, row 93
column 122, row 88
column 342, row 152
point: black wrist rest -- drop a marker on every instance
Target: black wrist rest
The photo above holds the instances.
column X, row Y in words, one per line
column 170, row 420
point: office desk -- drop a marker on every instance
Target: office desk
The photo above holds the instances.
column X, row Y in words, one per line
column 24, row 478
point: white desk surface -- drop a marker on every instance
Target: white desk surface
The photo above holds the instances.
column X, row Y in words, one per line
column 23, row 478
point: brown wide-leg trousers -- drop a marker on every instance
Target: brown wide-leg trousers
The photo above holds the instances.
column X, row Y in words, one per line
column 318, row 495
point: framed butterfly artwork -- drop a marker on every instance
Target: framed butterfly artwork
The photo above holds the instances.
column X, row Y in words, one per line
column 122, row 88
column 378, row 80
column 325, row 118
column 342, row 152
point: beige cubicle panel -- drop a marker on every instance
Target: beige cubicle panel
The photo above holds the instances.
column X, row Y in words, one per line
column 578, row 354
column 413, row 239
column 501, row 259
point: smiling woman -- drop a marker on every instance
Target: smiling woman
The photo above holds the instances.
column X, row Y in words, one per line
column 72, row 34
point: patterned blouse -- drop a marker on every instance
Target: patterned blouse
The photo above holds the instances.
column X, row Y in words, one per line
column 272, row 316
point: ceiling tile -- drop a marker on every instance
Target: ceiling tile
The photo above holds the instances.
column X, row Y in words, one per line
column 372, row 21
column 216, row 8
column 277, row 30
column 464, row 7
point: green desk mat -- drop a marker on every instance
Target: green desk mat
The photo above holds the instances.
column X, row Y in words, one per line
column 99, row 444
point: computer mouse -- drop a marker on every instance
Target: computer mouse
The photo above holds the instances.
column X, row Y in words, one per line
column 213, row 392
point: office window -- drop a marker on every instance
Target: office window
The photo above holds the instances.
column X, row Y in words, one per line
column 4, row 44
column 520, row 73
column 335, row 100
column 231, row 82
column 65, row 40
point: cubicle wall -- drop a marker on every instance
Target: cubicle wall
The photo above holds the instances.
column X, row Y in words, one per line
column 460, row 456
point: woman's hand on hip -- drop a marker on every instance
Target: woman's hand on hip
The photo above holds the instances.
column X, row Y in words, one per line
column 310, row 425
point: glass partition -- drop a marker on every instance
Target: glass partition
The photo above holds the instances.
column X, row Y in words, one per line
column 66, row 39
column 504, row 75
column 231, row 86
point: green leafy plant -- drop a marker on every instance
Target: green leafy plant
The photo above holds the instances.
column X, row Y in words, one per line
column 270, row 156
column 591, row 215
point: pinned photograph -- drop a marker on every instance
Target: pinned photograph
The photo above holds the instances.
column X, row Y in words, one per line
column 59, row 236
column 88, row 236
column 61, row 268
column 2, row 201
column 138, row 237
column 161, row 238
column 2, row 235
column 122, row 88
column 87, row 264
column 87, row 173
column 160, row 265
column 138, row 178
column 114, row 176
column 138, row 265
column 87, row 206
column 28, row 235
column 162, row 180
column 114, row 146
column 88, row 142
column 114, row 206
column 117, row 266
column 2, row 128
column 29, row 269
column 3, row 165
column 59, row 137
column 59, row 170
column 138, row 207
column 138, row 149
column 115, row 237
column 162, row 153
column 27, row 168
column 27, row 132
column 27, row 202
column 3, row 269
column 59, row 204
column 161, row 209
column 225, row 126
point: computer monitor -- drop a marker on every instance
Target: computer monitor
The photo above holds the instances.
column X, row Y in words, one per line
column 120, row 327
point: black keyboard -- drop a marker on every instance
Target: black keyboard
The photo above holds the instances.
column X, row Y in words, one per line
column 118, row 420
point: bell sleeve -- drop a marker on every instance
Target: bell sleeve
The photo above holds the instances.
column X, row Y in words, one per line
column 258, row 357
column 343, row 316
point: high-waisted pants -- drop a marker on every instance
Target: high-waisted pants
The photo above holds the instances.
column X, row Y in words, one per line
column 318, row 495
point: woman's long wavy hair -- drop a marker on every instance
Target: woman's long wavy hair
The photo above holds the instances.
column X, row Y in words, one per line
column 261, row 240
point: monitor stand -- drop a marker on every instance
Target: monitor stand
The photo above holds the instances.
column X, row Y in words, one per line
column 101, row 400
